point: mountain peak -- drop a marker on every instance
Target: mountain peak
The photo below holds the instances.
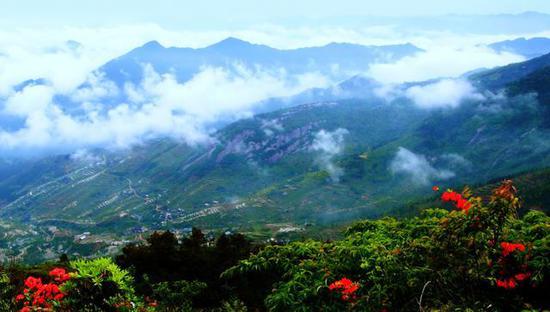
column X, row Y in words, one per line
column 231, row 42
column 152, row 45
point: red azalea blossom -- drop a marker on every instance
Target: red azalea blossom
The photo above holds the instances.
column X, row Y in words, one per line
column 60, row 275
column 507, row 284
column 522, row 276
column 508, row 248
column 460, row 202
column 33, row 282
column 512, row 281
column 346, row 287
column 39, row 296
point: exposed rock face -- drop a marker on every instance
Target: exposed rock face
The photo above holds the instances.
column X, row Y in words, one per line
column 236, row 145
column 256, row 145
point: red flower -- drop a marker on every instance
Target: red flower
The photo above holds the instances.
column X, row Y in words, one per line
column 463, row 204
column 33, row 282
column 346, row 287
column 508, row 248
column 60, row 275
column 435, row 188
column 460, row 202
column 42, row 296
column 522, row 276
column 450, row 196
column 507, row 284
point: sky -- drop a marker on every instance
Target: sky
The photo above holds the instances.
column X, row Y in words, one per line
column 209, row 14
column 33, row 45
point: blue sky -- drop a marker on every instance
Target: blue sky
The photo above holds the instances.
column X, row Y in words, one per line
column 215, row 14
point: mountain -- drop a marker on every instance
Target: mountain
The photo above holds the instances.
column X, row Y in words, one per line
column 498, row 78
column 356, row 87
column 529, row 48
column 338, row 59
column 284, row 171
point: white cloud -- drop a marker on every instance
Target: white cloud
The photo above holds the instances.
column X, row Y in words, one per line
column 30, row 53
column 87, row 157
column 270, row 126
column 159, row 107
column 97, row 87
column 32, row 99
column 417, row 168
column 440, row 62
column 456, row 160
column 443, row 93
column 329, row 144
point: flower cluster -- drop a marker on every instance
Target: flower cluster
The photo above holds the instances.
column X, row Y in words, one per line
column 460, row 202
column 512, row 281
column 506, row 190
column 507, row 283
column 60, row 275
column 346, row 288
column 508, row 248
column 43, row 296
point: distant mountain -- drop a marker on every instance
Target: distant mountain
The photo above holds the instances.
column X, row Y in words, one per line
column 356, row 87
column 335, row 59
column 529, row 48
column 500, row 77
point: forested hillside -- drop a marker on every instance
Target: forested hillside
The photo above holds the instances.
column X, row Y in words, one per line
column 476, row 254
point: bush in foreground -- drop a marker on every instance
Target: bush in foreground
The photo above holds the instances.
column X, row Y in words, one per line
column 478, row 256
column 475, row 255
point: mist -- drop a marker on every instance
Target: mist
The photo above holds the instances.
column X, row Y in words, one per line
column 40, row 66
column 329, row 144
column 417, row 168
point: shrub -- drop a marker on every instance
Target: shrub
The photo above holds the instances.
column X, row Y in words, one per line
column 178, row 295
column 100, row 285
column 475, row 256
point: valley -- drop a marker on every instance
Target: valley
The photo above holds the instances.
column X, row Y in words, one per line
column 306, row 167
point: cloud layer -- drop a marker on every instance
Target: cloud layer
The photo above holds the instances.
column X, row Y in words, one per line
column 158, row 106
column 329, row 144
column 441, row 62
column 443, row 93
column 417, row 168
column 34, row 118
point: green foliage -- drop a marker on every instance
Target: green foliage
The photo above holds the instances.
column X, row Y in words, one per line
column 101, row 270
column 485, row 257
column 170, row 264
column 100, row 285
column 178, row 295
column 439, row 260
column 6, row 292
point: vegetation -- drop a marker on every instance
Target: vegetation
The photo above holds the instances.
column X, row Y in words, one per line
column 476, row 254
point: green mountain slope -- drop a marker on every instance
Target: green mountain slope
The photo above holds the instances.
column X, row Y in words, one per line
column 499, row 77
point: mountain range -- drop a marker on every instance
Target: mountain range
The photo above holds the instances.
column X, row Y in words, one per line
column 334, row 59
column 327, row 160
